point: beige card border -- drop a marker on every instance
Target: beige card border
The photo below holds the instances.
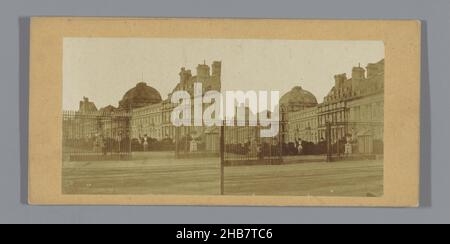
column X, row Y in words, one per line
column 402, row 100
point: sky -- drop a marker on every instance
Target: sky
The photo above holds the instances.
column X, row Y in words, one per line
column 103, row 69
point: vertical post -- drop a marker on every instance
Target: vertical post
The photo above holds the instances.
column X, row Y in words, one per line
column 130, row 136
column 328, row 136
column 222, row 160
column 111, row 135
column 270, row 151
column 177, row 141
column 280, row 148
column 338, row 144
column 119, row 135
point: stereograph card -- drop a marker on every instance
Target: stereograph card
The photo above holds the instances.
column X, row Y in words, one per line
column 224, row 112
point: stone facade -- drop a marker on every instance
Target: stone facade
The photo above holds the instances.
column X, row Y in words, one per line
column 303, row 125
column 366, row 122
column 147, row 121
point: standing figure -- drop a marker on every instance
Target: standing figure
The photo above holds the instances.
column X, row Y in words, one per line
column 299, row 146
column 259, row 151
column 348, row 145
column 145, row 143
column 348, row 148
column 193, row 146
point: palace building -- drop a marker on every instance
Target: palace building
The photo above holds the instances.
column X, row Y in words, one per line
column 353, row 109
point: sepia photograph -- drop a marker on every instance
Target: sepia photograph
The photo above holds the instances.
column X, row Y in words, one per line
column 232, row 117
column 230, row 112
column 224, row 120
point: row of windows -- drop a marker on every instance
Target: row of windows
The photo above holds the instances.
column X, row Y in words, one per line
column 158, row 133
column 373, row 111
column 311, row 137
column 336, row 134
column 146, row 111
column 335, row 117
column 303, row 125
column 331, row 107
column 299, row 116
column 146, row 121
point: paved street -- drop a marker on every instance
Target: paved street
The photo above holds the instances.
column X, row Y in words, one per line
column 161, row 173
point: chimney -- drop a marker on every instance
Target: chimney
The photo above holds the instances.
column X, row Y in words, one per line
column 340, row 80
column 216, row 68
column 358, row 73
column 202, row 71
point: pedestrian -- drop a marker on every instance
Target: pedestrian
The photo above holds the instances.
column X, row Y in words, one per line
column 348, row 148
column 145, row 143
column 260, row 152
column 299, row 146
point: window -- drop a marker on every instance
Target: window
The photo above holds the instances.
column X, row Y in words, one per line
column 368, row 112
column 357, row 113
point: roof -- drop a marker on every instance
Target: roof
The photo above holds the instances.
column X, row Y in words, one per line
column 140, row 96
column 298, row 97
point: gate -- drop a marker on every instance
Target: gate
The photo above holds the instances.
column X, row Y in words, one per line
column 243, row 145
column 95, row 136
column 192, row 141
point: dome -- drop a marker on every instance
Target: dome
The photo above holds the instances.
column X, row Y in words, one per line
column 140, row 96
column 298, row 99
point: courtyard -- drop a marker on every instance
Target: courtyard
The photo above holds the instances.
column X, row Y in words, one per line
column 162, row 173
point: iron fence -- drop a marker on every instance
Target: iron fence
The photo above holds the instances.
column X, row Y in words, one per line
column 91, row 136
column 191, row 141
column 242, row 145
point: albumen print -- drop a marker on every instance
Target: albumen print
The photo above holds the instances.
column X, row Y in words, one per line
column 201, row 116
column 229, row 112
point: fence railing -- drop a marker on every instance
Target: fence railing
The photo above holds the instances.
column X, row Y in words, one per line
column 197, row 142
column 244, row 146
column 96, row 136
